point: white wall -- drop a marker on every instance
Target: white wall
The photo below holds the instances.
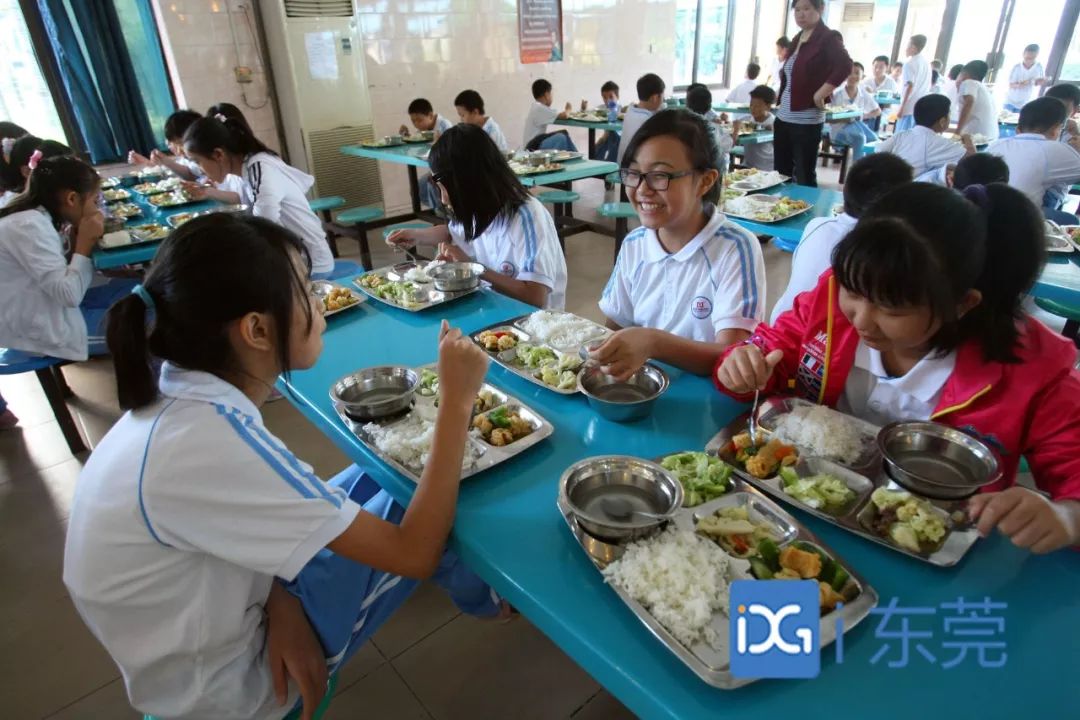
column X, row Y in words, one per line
column 436, row 48
column 199, row 46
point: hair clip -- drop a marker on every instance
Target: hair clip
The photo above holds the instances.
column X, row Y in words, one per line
column 219, row 117
column 35, row 158
column 978, row 195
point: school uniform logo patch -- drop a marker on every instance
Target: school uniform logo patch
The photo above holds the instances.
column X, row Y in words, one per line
column 508, row 268
column 701, row 307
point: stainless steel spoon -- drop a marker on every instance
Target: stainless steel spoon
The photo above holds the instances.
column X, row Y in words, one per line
column 621, row 510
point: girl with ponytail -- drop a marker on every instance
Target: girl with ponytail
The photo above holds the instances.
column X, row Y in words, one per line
column 222, row 575
column 223, row 144
column 47, row 305
column 16, row 167
column 920, row 318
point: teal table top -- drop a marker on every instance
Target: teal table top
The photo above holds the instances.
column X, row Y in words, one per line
column 789, row 232
column 509, row 530
column 143, row 252
column 572, row 170
column 1060, row 279
column 758, row 138
column 408, row 154
column 603, row 125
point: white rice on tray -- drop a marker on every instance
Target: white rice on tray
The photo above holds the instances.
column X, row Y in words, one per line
column 680, row 577
column 409, row 441
column 562, row 329
column 822, row 432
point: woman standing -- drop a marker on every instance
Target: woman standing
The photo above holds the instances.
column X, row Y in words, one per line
column 817, row 64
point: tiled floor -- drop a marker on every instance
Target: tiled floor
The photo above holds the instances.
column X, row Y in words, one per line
column 428, row 661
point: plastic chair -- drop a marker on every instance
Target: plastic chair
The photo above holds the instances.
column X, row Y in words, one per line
column 1071, row 313
column 331, row 686
column 324, row 206
column 357, row 219
column 621, row 212
column 56, row 391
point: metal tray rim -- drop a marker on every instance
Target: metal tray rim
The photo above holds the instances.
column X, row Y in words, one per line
column 450, row 296
column 520, row 372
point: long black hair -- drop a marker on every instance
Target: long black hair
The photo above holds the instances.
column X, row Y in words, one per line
column 208, row 273
column 689, row 128
column 234, row 136
column 51, row 177
column 11, row 177
column 922, row 244
column 178, row 123
column 480, row 183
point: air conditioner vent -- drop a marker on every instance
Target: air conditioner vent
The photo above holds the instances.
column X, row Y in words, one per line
column 318, row 8
column 858, row 12
column 355, row 179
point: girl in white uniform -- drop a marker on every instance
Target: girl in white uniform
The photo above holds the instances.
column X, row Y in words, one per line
column 47, row 306
column 688, row 282
column 195, row 548
column 227, row 191
column 495, row 221
column 274, row 190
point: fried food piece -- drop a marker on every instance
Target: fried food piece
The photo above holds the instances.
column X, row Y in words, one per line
column 519, row 427
column 786, row 574
column 507, row 342
column 484, row 425
column 827, row 597
column 501, row 436
column 807, row 564
column 742, row 441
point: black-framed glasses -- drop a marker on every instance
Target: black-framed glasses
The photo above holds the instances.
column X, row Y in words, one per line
column 656, row 179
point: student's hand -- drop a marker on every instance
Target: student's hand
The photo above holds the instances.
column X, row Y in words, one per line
column 584, row 105
column 294, row 651
column 405, row 237
column 1074, row 142
column 90, row 230
column 569, row 107
column 194, row 190
column 449, row 252
column 135, row 158
column 746, row 369
column 968, row 143
column 950, row 175
column 625, row 352
column 723, row 117
column 462, row 366
column 403, row 131
column 1027, row 518
column 1071, row 127
column 157, row 157
column 821, row 97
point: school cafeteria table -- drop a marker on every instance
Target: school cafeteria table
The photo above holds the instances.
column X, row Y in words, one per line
column 412, row 155
column 787, row 233
column 1060, row 280
column 104, row 259
column 509, row 530
column 592, row 127
column 887, row 100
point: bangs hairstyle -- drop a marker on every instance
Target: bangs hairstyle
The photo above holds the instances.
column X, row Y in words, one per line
column 481, row 186
column 420, row 106
column 251, row 256
column 51, row 177
column 925, row 245
column 689, row 128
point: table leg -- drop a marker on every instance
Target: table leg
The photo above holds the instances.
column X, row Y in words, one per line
column 414, row 188
column 592, row 143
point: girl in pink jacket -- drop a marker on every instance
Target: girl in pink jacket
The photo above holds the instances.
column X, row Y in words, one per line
column 919, row 319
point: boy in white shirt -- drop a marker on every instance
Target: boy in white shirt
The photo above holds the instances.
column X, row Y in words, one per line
column 650, row 91
column 1068, row 94
column 758, row 155
column 1023, row 78
column 914, row 84
column 896, row 72
column 470, row 109
column 880, row 81
column 607, row 145
column 951, row 90
column 541, row 114
column 929, row 154
column 425, row 119
column 1039, row 165
column 741, row 93
column 699, row 100
column 783, row 46
column 869, row 178
column 854, row 133
column 978, row 113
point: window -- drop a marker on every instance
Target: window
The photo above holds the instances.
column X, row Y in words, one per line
column 976, row 24
column 866, row 38
column 923, row 18
column 24, row 95
column 1070, row 69
column 701, row 42
column 1025, row 28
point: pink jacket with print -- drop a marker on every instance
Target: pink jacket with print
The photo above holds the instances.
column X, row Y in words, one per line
column 1029, row 409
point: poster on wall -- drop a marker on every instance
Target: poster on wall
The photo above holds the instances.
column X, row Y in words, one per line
column 540, row 30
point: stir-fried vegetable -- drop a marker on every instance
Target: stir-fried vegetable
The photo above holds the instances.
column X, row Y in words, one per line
column 821, row 492
column 703, row 477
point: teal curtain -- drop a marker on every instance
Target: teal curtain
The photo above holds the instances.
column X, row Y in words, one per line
column 144, row 46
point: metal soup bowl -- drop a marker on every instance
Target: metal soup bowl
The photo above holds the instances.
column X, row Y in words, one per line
column 456, row 276
column 587, row 485
column 936, row 460
column 375, row 392
column 625, row 401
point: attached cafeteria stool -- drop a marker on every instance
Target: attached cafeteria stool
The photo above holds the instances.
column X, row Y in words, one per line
column 331, row 686
column 323, row 207
column 837, row 152
column 621, row 212
column 1071, row 313
column 356, row 219
column 56, row 391
column 562, row 202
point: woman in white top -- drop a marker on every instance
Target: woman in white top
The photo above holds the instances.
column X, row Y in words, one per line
column 274, row 190
column 222, row 576
column 688, row 282
column 45, row 306
column 494, row 221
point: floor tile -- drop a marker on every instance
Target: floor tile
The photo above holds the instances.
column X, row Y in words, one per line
column 473, row 669
column 23, row 449
column 108, row 703
column 26, row 399
column 36, row 503
column 33, row 584
column 382, row 694
column 366, row 660
column 603, row 706
column 428, row 609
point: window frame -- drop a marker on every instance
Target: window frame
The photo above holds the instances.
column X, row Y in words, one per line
column 729, row 25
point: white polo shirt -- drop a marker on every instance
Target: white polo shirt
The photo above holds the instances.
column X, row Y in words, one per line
column 633, row 120
column 1018, row 96
column 870, row 394
column 741, row 92
column 277, row 191
column 525, row 247
column 983, row 119
column 888, row 85
column 536, row 122
column 715, row 283
column 760, row 155
column 1037, row 164
column 182, row 517
column 917, row 72
column 863, row 101
column 442, row 124
column 812, row 257
column 923, row 149
column 496, row 134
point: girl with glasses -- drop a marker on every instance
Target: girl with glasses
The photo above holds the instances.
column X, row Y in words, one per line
column 688, row 282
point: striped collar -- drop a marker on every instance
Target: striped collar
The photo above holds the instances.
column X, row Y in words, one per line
column 655, row 252
column 177, row 382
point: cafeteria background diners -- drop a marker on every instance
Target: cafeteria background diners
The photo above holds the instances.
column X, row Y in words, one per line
column 309, row 409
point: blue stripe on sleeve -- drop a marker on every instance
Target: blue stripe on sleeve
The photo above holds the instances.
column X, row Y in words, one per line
column 746, row 273
column 142, row 473
column 320, row 487
column 529, row 265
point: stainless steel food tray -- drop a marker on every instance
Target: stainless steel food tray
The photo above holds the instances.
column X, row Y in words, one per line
column 711, row 662
column 488, row 455
column 322, row 288
column 863, row 476
column 428, row 296
column 744, row 216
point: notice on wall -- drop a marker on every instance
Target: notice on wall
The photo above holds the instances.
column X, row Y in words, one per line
column 540, row 30
column 321, row 55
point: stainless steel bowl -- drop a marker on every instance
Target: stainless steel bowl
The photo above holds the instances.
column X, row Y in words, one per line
column 937, row 461
column 375, row 392
column 456, row 276
column 623, row 401
column 645, row 485
column 537, row 159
